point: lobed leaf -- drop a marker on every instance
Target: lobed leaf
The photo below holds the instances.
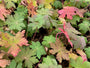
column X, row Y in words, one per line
column 70, row 11
column 78, row 63
column 60, row 51
column 27, row 55
column 13, row 42
column 40, row 50
column 49, row 62
column 48, row 39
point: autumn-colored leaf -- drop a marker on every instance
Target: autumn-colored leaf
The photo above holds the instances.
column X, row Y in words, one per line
column 31, row 9
column 28, row 55
column 77, row 41
column 70, row 11
column 63, row 31
column 73, row 56
column 13, row 42
column 46, row 3
column 31, row 6
column 83, row 55
column 3, row 12
column 3, row 62
column 61, row 51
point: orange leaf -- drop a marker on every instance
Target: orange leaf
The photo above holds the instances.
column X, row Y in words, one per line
column 3, row 12
column 4, row 62
column 13, row 42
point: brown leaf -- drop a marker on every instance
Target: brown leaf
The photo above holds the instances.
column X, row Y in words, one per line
column 81, row 12
column 61, row 51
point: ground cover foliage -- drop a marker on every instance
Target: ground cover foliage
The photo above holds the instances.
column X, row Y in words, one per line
column 44, row 33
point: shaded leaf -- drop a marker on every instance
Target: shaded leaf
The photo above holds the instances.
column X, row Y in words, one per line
column 57, row 4
column 44, row 21
column 27, row 55
column 78, row 41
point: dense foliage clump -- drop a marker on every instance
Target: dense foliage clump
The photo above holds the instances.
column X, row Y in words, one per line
column 44, row 33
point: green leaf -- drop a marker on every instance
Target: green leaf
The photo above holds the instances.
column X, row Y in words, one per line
column 48, row 39
column 19, row 65
column 10, row 3
column 2, row 23
column 87, row 51
column 27, row 55
column 87, row 14
column 15, row 22
column 40, row 50
column 78, row 4
column 49, row 62
column 57, row 4
column 12, row 64
column 74, row 20
column 22, row 11
column 84, row 26
column 44, row 11
column 37, row 22
column 79, row 63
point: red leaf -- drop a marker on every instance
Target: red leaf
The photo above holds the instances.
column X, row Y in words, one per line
column 69, row 11
column 66, row 34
